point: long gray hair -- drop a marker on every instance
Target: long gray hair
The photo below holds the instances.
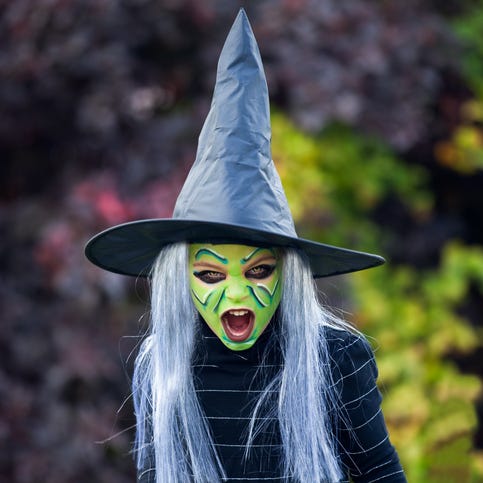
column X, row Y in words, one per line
column 173, row 438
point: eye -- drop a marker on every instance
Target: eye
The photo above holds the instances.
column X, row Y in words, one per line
column 260, row 271
column 210, row 276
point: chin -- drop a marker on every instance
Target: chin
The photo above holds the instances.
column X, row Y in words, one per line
column 238, row 346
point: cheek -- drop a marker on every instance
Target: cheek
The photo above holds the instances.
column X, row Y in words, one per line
column 199, row 291
column 267, row 292
column 207, row 298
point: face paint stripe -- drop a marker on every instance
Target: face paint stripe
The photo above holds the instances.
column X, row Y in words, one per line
column 215, row 308
column 208, row 251
column 264, row 287
column 207, row 297
column 257, row 298
column 251, row 254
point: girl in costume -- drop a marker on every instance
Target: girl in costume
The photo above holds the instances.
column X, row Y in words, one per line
column 243, row 376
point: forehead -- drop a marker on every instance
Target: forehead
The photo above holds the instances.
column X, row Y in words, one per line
column 228, row 253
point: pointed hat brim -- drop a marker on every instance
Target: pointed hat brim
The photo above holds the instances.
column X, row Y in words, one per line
column 132, row 248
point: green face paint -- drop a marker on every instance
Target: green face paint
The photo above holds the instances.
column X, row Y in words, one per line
column 236, row 289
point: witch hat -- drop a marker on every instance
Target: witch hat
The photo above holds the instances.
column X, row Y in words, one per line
column 233, row 193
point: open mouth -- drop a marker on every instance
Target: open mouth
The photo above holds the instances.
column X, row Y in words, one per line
column 238, row 324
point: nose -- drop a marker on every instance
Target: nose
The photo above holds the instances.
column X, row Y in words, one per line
column 237, row 291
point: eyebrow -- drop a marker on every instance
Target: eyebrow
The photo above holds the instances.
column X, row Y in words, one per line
column 202, row 263
column 208, row 251
column 254, row 252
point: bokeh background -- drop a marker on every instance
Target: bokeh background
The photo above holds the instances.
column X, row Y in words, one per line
column 378, row 137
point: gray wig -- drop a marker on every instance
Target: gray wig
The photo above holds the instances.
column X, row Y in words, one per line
column 173, row 438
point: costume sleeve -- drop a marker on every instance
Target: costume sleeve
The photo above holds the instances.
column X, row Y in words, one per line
column 365, row 448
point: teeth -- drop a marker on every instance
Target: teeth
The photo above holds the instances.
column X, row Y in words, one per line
column 238, row 313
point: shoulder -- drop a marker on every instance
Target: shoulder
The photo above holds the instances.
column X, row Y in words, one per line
column 352, row 364
column 346, row 348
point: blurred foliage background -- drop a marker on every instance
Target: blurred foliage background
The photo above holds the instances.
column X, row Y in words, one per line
column 378, row 137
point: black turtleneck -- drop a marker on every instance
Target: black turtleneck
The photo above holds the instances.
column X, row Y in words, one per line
column 228, row 384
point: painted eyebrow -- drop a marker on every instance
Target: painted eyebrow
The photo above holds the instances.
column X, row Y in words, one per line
column 208, row 251
column 254, row 252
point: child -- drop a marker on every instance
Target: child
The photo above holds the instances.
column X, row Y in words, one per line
column 243, row 376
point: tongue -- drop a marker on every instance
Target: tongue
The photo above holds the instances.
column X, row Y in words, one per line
column 238, row 322
column 237, row 327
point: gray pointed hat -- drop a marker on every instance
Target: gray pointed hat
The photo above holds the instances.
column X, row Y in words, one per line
column 233, row 193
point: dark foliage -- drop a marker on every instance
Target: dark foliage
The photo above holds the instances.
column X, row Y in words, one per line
column 101, row 104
